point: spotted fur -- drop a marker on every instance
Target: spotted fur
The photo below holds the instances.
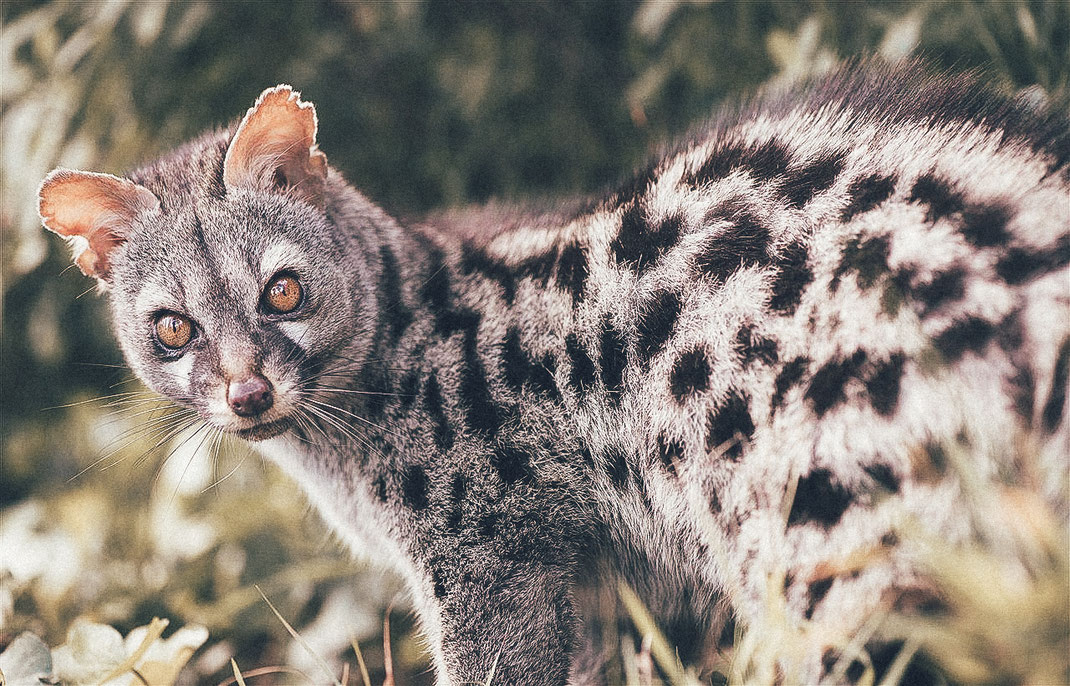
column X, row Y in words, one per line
column 720, row 373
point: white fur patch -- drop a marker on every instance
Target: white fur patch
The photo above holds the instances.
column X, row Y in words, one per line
column 278, row 256
column 295, row 331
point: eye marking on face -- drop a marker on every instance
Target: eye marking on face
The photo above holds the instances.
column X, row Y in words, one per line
column 297, row 332
column 283, row 294
column 281, row 256
column 173, row 331
column 181, row 372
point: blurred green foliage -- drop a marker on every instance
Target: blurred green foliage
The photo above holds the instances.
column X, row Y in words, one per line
column 422, row 105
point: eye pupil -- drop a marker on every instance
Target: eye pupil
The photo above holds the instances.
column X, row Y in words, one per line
column 283, row 294
column 173, row 331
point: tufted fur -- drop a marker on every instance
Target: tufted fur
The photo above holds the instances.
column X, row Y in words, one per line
column 738, row 367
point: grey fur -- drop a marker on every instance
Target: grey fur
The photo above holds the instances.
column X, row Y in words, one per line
column 812, row 291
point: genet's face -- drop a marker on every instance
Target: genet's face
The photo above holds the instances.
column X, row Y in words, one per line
column 235, row 308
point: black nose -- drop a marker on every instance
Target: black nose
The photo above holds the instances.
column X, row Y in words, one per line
column 250, row 397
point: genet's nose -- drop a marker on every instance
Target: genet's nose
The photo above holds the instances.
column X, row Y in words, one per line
column 250, row 397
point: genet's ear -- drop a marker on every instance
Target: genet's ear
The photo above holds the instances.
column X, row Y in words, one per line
column 95, row 211
column 274, row 148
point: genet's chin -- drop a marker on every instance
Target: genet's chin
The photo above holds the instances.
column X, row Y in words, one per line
column 262, row 432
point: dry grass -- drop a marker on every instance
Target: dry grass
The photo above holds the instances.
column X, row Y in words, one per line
column 1003, row 614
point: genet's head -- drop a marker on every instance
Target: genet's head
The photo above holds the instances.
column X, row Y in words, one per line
column 225, row 274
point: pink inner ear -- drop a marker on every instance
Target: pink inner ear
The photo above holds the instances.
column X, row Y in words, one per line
column 277, row 138
column 97, row 207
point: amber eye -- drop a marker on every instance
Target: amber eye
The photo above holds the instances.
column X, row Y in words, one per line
column 173, row 331
column 283, row 294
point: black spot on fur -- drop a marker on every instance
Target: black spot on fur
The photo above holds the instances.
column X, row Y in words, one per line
column 883, row 476
column 435, row 291
column 613, row 358
column 377, row 385
column 586, row 457
column 947, row 286
column 1020, row 265
column 719, row 165
column 743, row 244
column 518, row 368
column 1010, row 333
column 768, row 161
column 791, row 280
column 380, row 488
column 582, row 374
column 817, row 591
column 433, row 403
column 633, row 234
column 656, row 323
column 410, row 388
column 572, row 270
column 827, row 387
column 541, row 377
column 917, row 673
column 866, row 193
column 937, row 193
column 488, row 526
column 512, row 464
column 828, row 661
column 789, row 376
column 819, row 499
column 896, row 290
column 639, row 243
column 539, row 267
column 937, row 457
column 458, row 488
column 451, row 321
column 755, row 348
column 855, row 670
column 394, row 312
column 883, row 384
column 971, row 334
column 668, row 231
column 414, row 487
column 476, row 260
column 869, row 258
column 803, row 184
column 729, row 425
column 438, row 584
column 690, row 374
column 1023, row 390
column 670, row 452
column 1053, row 408
column 616, row 463
column 515, row 364
column 985, row 225
column 480, row 410
column 458, row 493
column 715, row 502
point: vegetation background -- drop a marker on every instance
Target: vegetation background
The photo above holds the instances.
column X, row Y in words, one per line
column 422, row 104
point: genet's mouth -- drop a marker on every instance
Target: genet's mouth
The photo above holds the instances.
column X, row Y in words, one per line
column 262, row 432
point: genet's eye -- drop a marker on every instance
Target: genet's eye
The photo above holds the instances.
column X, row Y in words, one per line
column 173, row 331
column 282, row 295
